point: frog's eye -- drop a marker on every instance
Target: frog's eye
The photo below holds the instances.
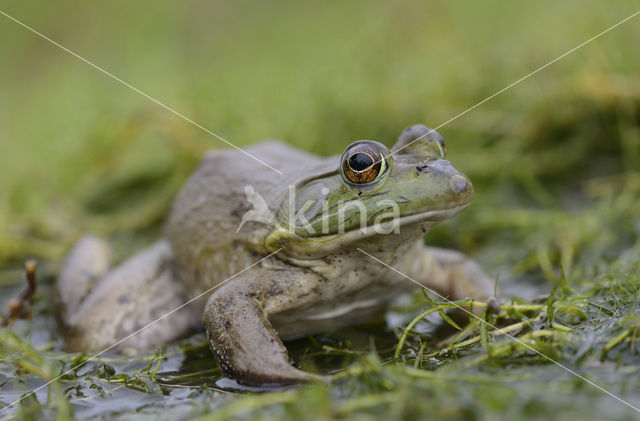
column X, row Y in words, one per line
column 363, row 162
column 436, row 146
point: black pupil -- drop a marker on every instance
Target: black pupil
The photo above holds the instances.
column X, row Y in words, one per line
column 360, row 161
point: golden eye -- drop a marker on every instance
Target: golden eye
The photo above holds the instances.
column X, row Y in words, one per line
column 437, row 145
column 363, row 162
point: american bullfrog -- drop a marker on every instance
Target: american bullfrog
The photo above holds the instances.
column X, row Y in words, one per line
column 287, row 252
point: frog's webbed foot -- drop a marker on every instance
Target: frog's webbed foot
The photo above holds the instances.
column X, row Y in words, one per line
column 242, row 338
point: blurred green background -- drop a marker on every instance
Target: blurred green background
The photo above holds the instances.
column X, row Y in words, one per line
column 554, row 160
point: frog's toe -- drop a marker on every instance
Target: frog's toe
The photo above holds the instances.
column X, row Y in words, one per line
column 281, row 376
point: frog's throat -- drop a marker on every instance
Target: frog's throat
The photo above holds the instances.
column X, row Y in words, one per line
column 289, row 241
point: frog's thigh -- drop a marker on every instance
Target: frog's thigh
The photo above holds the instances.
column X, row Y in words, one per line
column 139, row 292
column 87, row 262
column 450, row 273
column 242, row 339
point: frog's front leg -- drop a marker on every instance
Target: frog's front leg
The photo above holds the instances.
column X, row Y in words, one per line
column 448, row 272
column 242, row 339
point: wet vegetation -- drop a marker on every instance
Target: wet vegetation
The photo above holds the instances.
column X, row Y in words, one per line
column 556, row 217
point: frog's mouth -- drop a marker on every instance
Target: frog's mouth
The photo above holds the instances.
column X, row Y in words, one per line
column 430, row 217
column 315, row 246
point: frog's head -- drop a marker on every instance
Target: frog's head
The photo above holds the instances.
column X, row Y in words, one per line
column 371, row 195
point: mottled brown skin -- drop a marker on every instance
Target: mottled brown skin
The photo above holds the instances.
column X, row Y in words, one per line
column 314, row 282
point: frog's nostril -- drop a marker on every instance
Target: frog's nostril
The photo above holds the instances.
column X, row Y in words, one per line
column 422, row 168
column 460, row 184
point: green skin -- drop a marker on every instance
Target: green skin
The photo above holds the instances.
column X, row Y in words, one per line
column 318, row 279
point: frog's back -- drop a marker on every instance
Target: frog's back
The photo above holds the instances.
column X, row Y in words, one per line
column 206, row 214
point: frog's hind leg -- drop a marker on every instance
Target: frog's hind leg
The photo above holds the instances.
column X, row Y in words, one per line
column 87, row 262
column 102, row 308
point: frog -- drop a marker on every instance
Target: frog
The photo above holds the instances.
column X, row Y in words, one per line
column 259, row 257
